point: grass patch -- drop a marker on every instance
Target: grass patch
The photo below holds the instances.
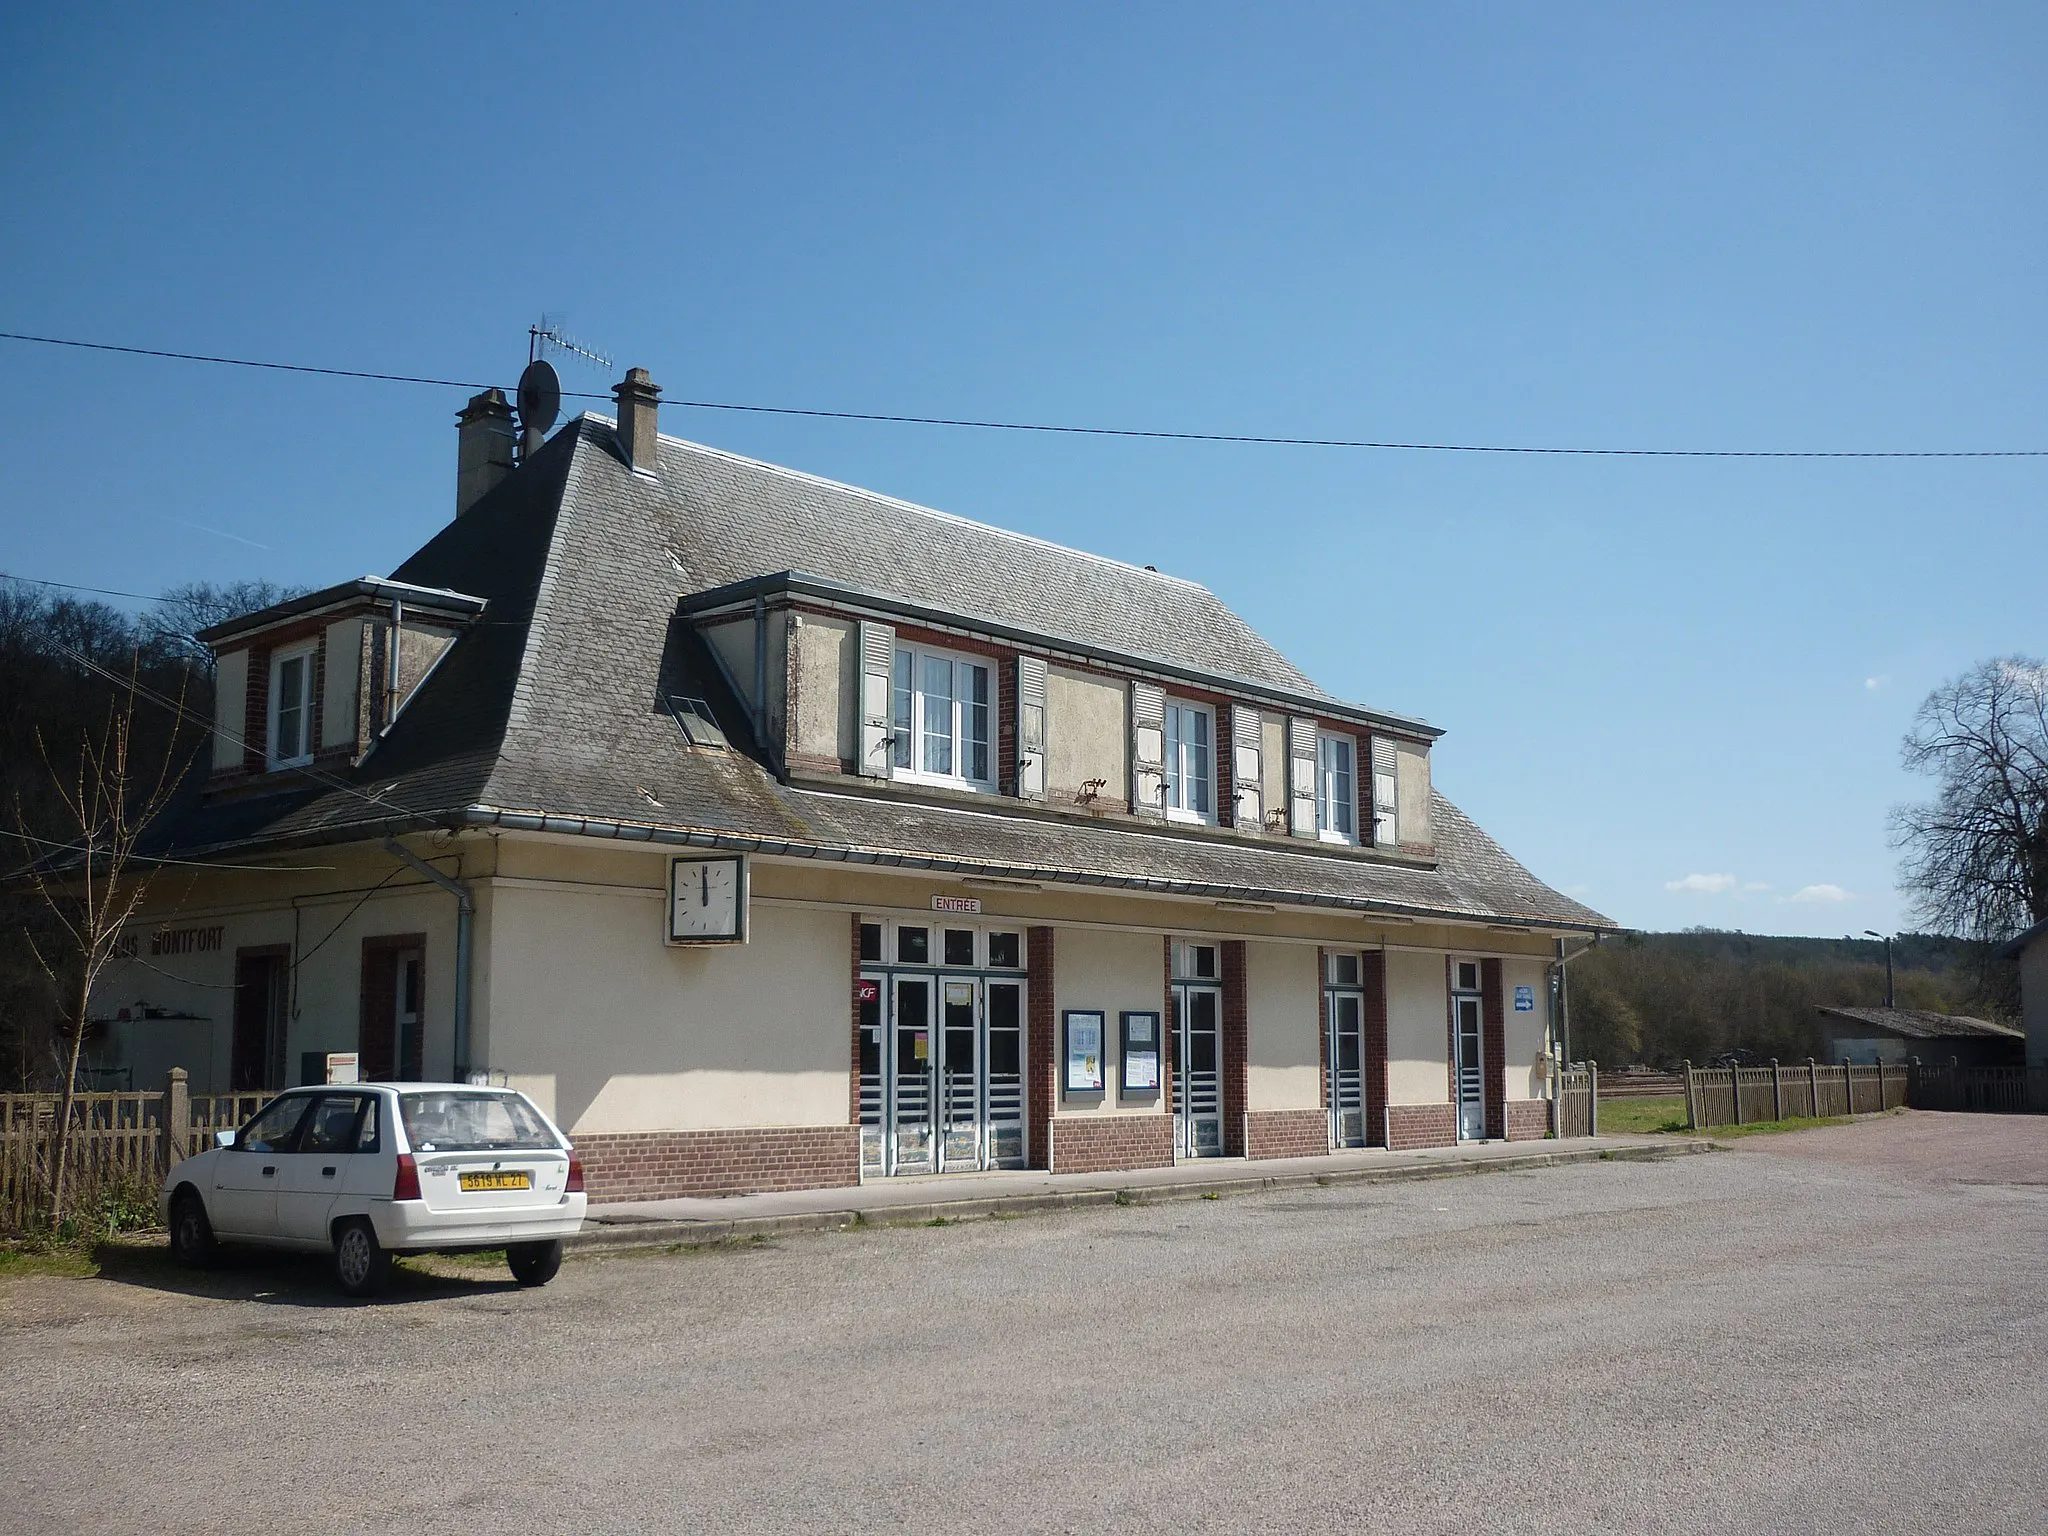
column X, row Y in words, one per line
column 1213, row 1195
column 1641, row 1117
column 1772, row 1127
column 32, row 1258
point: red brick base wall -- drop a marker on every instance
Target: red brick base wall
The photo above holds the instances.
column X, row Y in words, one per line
column 1098, row 1144
column 1421, row 1125
column 659, row 1165
column 1286, row 1133
column 1528, row 1119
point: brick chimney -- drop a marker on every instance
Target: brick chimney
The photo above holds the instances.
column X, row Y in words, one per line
column 639, row 398
column 483, row 447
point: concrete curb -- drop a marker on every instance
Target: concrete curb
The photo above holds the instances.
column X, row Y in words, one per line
column 629, row 1236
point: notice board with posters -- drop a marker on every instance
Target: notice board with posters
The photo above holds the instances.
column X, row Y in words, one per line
column 1083, row 1054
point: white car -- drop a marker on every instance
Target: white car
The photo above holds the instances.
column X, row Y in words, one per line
column 367, row 1170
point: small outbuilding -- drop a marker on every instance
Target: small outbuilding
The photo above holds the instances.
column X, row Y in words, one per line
column 2030, row 949
column 1895, row 1035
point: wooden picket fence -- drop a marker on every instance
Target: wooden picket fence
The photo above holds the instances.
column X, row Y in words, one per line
column 1748, row 1095
column 1576, row 1110
column 121, row 1144
column 1979, row 1090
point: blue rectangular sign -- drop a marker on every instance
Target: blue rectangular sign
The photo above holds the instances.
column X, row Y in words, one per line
column 1525, row 999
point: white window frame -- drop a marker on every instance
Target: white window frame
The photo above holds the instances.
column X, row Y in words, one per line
column 1175, row 753
column 1324, row 796
column 278, row 658
column 911, row 773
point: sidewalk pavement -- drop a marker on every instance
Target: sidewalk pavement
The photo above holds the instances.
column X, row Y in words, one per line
column 968, row 1196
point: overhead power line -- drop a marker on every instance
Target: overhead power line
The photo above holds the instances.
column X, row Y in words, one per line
column 1062, row 429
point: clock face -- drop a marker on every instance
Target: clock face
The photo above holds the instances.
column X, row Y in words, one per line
column 707, row 900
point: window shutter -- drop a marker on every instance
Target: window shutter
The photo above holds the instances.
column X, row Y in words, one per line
column 1148, row 750
column 1301, row 777
column 1386, row 819
column 1245, row 753
column 1031, row 727
column 877, row 657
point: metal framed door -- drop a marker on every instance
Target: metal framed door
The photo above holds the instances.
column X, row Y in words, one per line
column 1197, row 1071
column 912, row 1146
column 874, row 1084
column 960, row 1073
column 1003, row 1055
column 1347, row 1068
column 1470, row 1068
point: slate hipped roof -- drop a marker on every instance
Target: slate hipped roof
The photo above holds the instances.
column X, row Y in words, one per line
column 549, row 711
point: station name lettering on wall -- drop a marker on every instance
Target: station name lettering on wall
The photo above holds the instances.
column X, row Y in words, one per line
column 187, row 941
column 968, row 904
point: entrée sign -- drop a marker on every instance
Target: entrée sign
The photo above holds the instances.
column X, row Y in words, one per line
column 968, row 904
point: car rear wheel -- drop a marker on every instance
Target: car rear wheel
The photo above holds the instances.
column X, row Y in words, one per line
column 534, row 1263
column 361, row 1266
column 192, row 1241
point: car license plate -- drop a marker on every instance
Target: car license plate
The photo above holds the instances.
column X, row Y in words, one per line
column 497, row 1181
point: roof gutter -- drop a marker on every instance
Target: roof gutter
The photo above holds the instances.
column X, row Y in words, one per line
column 641, row 832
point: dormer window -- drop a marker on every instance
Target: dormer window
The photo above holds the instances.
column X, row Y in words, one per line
column 1336, row 789
column 1190, row 763
column 291, row 707
column 942, row 720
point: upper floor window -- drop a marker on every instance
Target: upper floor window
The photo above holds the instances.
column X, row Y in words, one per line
column 291, row 707
column 943, row 719
column 1190, row 763
column 1336, row 789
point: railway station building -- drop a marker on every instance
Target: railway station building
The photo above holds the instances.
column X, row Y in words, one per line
column 773, row 833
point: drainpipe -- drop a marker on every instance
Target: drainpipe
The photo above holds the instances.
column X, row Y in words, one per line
column 465, row 917
column 1564, row 1014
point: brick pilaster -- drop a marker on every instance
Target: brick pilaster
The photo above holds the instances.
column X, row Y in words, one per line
column 1372, row 971
column 1040, row 1050
column 1493, row 1019
column 1236, row 1047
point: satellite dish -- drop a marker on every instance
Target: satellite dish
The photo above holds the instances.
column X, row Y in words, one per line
column 540, row 398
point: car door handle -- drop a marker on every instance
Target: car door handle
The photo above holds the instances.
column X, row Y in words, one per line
column 326, row 1173
column 268, row 1172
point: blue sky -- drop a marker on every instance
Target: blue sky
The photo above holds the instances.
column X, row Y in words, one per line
column 1674, row 688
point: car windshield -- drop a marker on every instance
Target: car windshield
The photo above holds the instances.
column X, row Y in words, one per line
column 472, row 1122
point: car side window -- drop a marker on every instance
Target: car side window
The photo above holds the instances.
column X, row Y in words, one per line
column 366, row 1129
column 332, row 1125
column 272, row 1129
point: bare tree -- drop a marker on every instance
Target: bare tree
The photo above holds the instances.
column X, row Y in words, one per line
column 1976, row 855
column 94, row 884
column 177, row 617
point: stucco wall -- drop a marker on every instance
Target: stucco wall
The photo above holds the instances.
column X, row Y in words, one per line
column 1525, row 1035
column 1411, row 792
column 1084, row 735
column 1109, row 973
column 2034, row 998
column 230, row 699
column 338, row 722
column 826, row 652
column 616, row 1031
column 1417, row 1036
column 1283, row 1003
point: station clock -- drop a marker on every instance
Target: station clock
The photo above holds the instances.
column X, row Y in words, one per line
column 707, row 900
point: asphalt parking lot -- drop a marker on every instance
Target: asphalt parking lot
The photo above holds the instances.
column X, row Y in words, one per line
column 1843, row 1330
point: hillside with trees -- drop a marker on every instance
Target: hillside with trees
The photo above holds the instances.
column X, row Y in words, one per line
column 1663, row 998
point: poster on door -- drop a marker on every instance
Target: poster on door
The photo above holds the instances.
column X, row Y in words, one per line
column 1084, row 1052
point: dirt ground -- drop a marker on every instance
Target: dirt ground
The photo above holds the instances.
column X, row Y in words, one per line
column 1840, row 1330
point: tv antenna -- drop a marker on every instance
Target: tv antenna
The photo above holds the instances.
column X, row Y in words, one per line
column 540, row 387
column 549, row 336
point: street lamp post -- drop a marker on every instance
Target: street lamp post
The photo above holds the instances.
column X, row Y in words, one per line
column 1873, row 933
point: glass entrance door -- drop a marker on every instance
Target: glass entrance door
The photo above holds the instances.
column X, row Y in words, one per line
column 1197, row 1071
column 1471, row 1069
column 1347, row 1069
column 941, row 1073
column 912, row 1147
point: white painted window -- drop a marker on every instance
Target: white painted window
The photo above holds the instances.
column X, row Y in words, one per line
column 1190, row 763
column 1336, row 789
column 291, row 707
column 942, row 719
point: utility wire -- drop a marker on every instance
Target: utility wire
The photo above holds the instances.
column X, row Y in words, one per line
column 1078, row 431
